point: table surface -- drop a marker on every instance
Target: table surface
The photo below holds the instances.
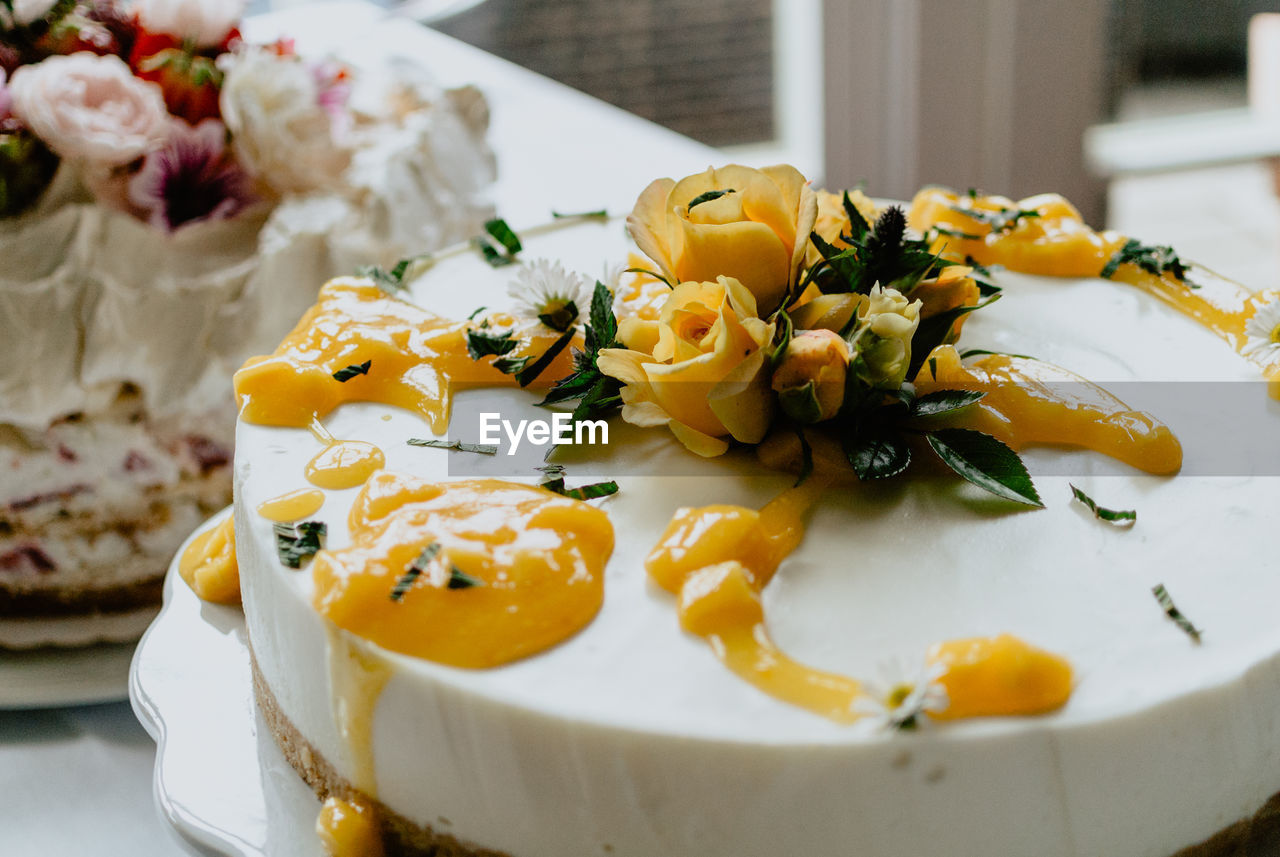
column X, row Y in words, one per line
column 78, row 781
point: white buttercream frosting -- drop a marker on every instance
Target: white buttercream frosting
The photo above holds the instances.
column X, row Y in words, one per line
column 632, row 738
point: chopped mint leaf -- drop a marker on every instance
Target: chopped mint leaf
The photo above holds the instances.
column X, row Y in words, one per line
column 394, row 281
column 598, row 214
column 460, row 446
column 707, row 197
column 555, row 483
column 345, row 375
column 297, row 542
column 986, row 462
column 459, row 579
column 416, row 569
column 954, row 233
column 978, row 352
column 1171, row 610
column 1001, row 220
column 499, row 245
column 476, row 312
column 526, row 376
column 511, row 365
column 1125, row 518
column 1157, row 260
column 482, row 343
column 941, row 402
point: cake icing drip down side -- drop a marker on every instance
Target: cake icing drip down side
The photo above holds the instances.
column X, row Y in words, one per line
column 118, row 339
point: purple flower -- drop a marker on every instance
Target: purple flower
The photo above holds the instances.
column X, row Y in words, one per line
column 191, row 178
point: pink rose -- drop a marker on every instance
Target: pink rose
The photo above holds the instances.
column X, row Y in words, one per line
column 207, row 23
column 91, row 108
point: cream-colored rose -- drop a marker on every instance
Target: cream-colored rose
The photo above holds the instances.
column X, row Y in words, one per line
column 751, row 225
column 204, row 23
column 90, row 108
column 811, row 376
column 281, row 132
column 25, row 12
column 882, row 339
column 705, row 377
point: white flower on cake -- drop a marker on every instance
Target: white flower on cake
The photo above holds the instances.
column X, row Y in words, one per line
column 281, row 126
column 886, row 323
column 25, row 12
column 544, row 290
column 901, row 699
column 1263, row 335
column 90, row 108
column 204, row 23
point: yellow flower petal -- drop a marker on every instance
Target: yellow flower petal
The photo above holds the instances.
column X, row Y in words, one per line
column 697, row 442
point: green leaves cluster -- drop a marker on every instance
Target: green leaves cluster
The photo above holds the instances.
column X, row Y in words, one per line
column 880, row 253
column 875, row 440
column 553, row 481
column 1157, row 260
column 597, row 394
column 458, row 579
column 483, row 342
column 298, row 542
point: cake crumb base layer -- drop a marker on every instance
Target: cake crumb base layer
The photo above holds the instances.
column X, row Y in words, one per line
column 1255, row 836
column 401, row 837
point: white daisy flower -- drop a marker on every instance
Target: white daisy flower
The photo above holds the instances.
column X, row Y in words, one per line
column 1262, row 330
column 544, row 290
column 901, row 698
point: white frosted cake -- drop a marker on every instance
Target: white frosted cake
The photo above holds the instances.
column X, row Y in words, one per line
column 119, row 331
column 631, row 737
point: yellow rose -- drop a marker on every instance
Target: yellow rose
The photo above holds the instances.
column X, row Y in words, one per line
column 810, row 378
column 747, row 224
column 704, row 376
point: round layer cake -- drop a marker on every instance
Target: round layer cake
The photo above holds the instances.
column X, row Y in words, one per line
column 118, row 341
column 631, row 737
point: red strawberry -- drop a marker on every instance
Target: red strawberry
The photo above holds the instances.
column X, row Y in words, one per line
column 190, row 82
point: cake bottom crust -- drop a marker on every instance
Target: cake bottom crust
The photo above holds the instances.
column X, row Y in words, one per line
column 400, row 836
column 1255, row 836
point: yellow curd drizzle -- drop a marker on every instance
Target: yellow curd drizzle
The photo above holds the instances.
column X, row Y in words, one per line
column 208, row 564
column 342, row 463
column 356, row 679
column 1057, row 242
column 293, row 506
column 1029, row 402
column 537, row 560
column 718, row 559
column 415, row 359
column 349, row 828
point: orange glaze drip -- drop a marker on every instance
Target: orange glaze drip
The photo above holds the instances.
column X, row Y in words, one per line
column 716, row 560
column 416, row 359
column 540, row 557
column 344, row 464
column 1059, row 243
column 1028, row 402
column 293, row 506
column 989, row 676
column 349, row 828
column 208, row 564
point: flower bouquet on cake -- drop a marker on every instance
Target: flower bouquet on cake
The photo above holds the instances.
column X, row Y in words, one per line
column 170, row 197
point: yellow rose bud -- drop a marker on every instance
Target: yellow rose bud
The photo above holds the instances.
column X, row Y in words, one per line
column 704, row 373
column 738, row 222
column 810, row 378
column 825, row 312
column 886, row 323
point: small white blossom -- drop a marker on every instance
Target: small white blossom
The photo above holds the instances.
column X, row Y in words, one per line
column 900, row 699
column 544, row 289
column 1263, row 335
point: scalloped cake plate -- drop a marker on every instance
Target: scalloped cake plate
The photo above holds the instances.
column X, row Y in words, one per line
column 222, row 791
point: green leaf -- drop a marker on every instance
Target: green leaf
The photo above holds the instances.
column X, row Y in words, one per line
column 526, row 376
column 382, row 279
column 482, row 343
column 459, row 579
column 653, row 274
column 345, row 375
column 806, row 457
column 298, row 542
column 596, row 392
column 460, row 446
column 941, row 402
column 978, row 352
column 707, row 197
column 416, row 569
column 499, row 245
column 986, row 462
column 1171, row 610
column 1157, row 260
column 1122, row 518
column 554, row 482
column 511, row 365
column 598, row 214
column 781, row 337
column 877, row 451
